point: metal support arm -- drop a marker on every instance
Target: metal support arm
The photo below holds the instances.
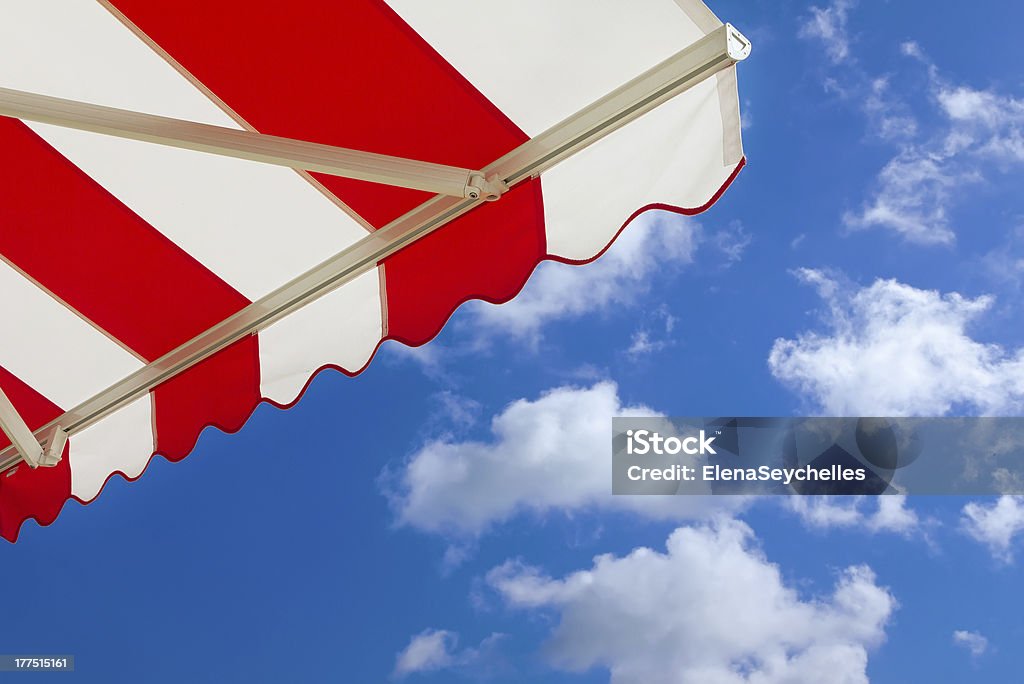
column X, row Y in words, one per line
column 242, row 144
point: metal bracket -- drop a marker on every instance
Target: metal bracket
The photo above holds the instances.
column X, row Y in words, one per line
column 489, row 190
column 18, row 431
column 736, row 44
column 53, row 447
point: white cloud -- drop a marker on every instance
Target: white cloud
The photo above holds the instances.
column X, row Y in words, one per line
column 996, row 526
column 653, row 244
column 428, row 356
column 890, row 513
column 710, row 609
column 457, row 410
column 548, row 454
column 916, row 190
column 427, row 651
column 915, row 187
column 641, row 344
column 920, row 185
column 890, row 349
column 1004, row 265
column 646, row 341
column 731, row 242
column 975, row 643
column 912, row 198
column 911, row 48
column 889, row 116
column 984, row 123
column 435, row 649
column 828, row 25
column 983, row 107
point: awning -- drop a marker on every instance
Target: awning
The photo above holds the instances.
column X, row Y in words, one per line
column 149, row 290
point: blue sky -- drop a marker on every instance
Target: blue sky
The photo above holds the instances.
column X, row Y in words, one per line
column 877, row 228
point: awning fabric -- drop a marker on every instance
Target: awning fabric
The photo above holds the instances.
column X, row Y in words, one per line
column 113, row 252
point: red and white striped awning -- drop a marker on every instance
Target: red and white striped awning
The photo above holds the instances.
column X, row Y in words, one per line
column 116, row 252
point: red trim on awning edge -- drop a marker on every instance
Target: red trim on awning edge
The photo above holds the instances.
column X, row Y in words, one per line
column 411, row 343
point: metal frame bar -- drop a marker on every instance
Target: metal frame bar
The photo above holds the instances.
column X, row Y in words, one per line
column 29, row 448
column 242, row 144
column 22, row 439
column 716, row 51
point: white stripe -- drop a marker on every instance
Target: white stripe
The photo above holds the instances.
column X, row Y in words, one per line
column 256, row 226
column 700, row 15
column 123, row 442
column 51, row 349
column 672, row 155
column 341, row 328
column 540, row 61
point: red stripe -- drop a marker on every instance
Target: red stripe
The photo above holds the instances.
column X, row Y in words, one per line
column 29, row 493
column 220, row 392
column 507, row 240
column 354, row 74
column 84, row 246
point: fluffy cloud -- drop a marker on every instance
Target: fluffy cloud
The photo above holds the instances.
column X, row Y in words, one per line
column 656, row 244
column 996, row 526
column 648, row 340
column 916, row 190
column 975, row 643
column 548, row 454
column 890, row 349
column 939, row 150
column 828, row 25
column 890, row 513
column 429, row 650
column 989, row 120
column 1004, row 265
column 709, row 610
column 890, row 117
column 642, row 344
column 652, row 244
column 913, row 193
column 731, row 243
column 435, row 649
